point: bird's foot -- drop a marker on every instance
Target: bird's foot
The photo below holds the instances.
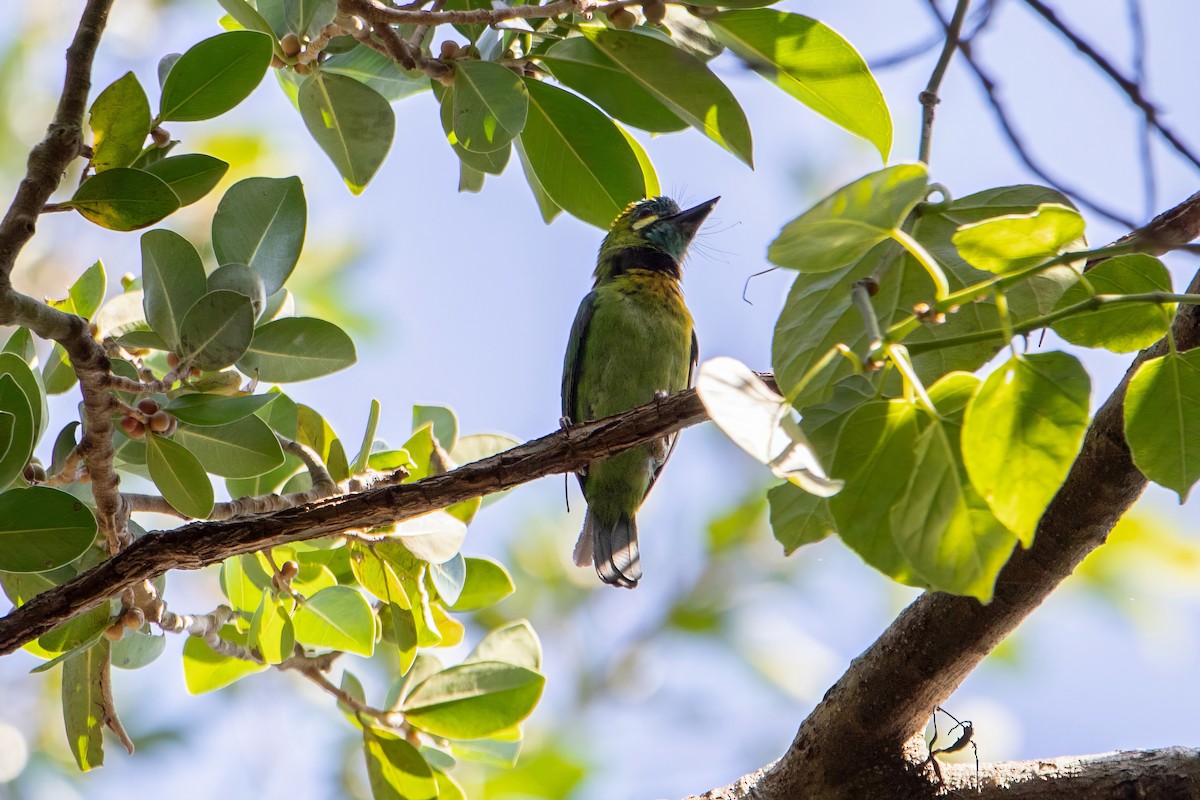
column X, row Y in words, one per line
column 564, row 422
column 659, row 396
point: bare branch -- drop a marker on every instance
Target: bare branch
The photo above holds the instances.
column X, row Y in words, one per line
column 929, row 98
column 1130, row 87
column 1172, row 772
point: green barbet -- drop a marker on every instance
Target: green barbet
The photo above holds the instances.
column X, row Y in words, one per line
column 632, row 341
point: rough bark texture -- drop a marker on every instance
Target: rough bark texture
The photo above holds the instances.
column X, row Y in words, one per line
column 209, row 542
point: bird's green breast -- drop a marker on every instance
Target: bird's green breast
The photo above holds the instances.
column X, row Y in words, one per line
column 639, row 342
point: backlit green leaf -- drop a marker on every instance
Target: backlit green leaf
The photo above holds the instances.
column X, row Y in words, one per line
column 474, row 701
column 579, row 64
column 490, row 104
column 580, row 158
column 1120, row 328
column 271, row 629
column 205, row 670
column 515, row 643
column 1014, row 242
column 217, row 329
column 1162, row 420
column 487, row 583
column 378, row 72
column 84, row 708
column 812, row 63
column 120, row 122
column 215, row 75
column 338, row 618
column 1021, row 433
column 190, row 176
column 845, row 225
column 798, row 518
column 681, row 82
column 308, row 17
column 396, row 770
column 124, row 199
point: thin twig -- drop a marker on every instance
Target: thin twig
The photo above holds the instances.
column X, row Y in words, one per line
column 929, row 98
column 1137, row 31
column 1130, row 87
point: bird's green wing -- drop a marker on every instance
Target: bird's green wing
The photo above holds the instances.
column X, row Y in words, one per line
column 574, row 359
column 675, row 436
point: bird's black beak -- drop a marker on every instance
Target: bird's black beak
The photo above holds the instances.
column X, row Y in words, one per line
column 689, row 221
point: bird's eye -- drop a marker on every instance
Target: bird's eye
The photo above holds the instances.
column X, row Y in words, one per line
column 643, row 217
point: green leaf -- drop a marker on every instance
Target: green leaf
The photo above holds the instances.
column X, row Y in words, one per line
column 492, row 163
column 247, row 16
column 240, row 449
column 487, row 583
column 85, row 295
column 20, row 343
column 124, row 199
column 364, row 449
column 474, row 701
column 260, row 222
column 172, row 281
column 205, row 670
column 351, row 122
column 1162, row 423
column 490, row 104
column 190, row 176
column 579, row 157
column 215, row 75
column 396, row 769
column 515, row 644
column 338, row 618
column 84, row 708
column 813, row 63
column 308, row 17
column 17, row 430
column 15, row 367
column 243, row 280
column 217, row 329
column 403, row 627
column 378, row 72
column 1015, row 242
column 1120, row 328
column 845, row 225
column 445, row 423
column 79, row 631
column 297, row 349
column 313, row 430
column 1021, row 434
column 875, row 457
column 271, row 630
column 578, row 63
column 243, row 580
column 547, row 207
column 58, row 375
column 42, row 528
column 798, row 518
column 940, row 523
column 216, row 409
column 681, row 82
column 137, row 649
column 178, row 475
column 120, row 122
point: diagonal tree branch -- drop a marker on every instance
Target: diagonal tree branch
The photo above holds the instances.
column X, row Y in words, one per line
column 863, row 739
column 200, row 544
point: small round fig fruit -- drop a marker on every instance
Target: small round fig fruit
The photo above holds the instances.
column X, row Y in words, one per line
column 161, row 136
column 160, row 421
column 622, row 19
column 133, row 618
column 449, row 49
column 133, row 428
column 148, row 405
column 290, row 45
column 289, row 569
column 655, row 11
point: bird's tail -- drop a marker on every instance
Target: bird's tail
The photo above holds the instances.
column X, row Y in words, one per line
column 613, row 551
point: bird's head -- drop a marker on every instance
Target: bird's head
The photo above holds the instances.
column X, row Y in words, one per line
column 651, row 234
